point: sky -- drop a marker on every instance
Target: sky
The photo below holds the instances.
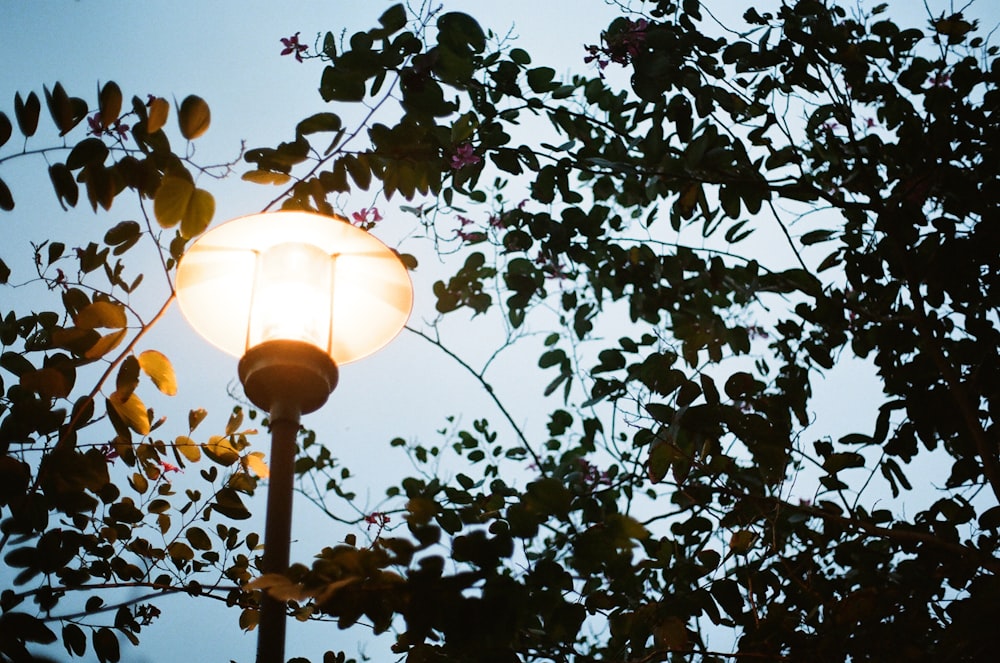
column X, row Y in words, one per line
column 227, row 51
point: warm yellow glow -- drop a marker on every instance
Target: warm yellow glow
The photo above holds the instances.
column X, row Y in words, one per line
column 291, row 297
column 294, row 275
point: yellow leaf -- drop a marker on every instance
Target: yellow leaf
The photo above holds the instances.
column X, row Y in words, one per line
column 688, row 199
column 255, row 463
column 101, row 314
column 280, row 587
column 132, row 411
column 671, row 634
column 178, row 201
column 160, row 371
column 158, row 111
column 195, row 417
column 139, row 482
column 105, row 344
column 110, row 103
column 266, row 177
column 235, row 420
column 221, row 450
column 741, row 541
column 200, row 211
column 188, row 448
column 171, row 200
column 194, row 117
column 421, row 510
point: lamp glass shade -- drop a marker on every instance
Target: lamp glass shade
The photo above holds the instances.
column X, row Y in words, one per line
column 294, row 276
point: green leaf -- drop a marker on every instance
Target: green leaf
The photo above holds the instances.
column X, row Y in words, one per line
column 394, row 19
column 194, row 117
column 839, row 461
column 156, row 365
column 124, row 232
column 228, row 503
column 360, row 172
column 540, row 79
column 178, row 201
column 27, row 112
column 319, row 122
column 460, row 31
column 739, row 385
column 817, row 236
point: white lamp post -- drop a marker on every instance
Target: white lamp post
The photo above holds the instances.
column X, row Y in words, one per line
column 294, row 295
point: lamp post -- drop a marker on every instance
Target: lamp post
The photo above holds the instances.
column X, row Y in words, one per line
column 294, row 295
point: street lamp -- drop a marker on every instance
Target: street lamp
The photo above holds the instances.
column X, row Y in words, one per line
column 294, row 295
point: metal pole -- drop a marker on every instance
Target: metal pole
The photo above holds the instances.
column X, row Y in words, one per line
column 288, row 379
column 277, row 529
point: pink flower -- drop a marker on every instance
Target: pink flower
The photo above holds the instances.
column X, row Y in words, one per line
column 167, row 467
column 110, row 452
column 361, row 220
column 95, row 124
column 464, row 156
column 940, row 80
column 293, row 47
column 377, row 518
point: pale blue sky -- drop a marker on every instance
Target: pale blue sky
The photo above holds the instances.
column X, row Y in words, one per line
column 227, row 52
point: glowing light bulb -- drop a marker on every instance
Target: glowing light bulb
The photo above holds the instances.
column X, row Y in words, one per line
column 291, row 299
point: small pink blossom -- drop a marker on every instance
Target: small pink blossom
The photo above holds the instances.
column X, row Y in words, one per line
column 293, row 47
column 167, row 467
column 361, row 218
column 95, row 124
column 97, row 127
column 620, row 47
column 940, row 80
column 473, row 236
column 464, row 156
column 378, row 519
column 591, row 477
column 110, row 452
